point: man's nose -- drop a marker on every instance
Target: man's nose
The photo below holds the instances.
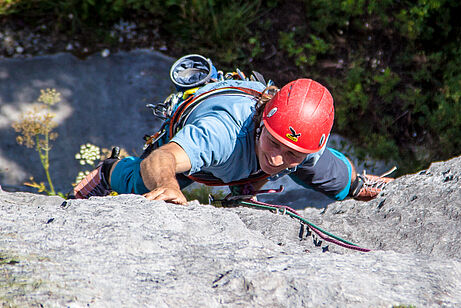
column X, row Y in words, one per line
column 277, row 159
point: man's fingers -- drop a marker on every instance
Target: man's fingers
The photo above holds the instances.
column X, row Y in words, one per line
column 173, row 199
column 169, row 195
column 152, row 195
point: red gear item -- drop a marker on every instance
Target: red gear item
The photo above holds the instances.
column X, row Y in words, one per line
column 300, row 115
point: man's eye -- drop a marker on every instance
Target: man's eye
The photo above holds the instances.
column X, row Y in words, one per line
column 296, row 156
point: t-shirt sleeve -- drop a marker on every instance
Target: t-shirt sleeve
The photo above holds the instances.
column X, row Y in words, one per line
column 207, row 142
column 331, row 174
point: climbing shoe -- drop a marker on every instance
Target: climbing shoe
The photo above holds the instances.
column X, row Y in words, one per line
column 96, row 182
column 368, row 186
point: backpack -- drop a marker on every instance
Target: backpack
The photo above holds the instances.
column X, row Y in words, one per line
column 189, row 74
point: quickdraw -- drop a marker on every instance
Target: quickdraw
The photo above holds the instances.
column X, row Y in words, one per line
column 250, row 201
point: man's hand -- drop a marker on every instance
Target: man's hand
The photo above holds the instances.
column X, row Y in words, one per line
column 168, row 194
column 158, row 172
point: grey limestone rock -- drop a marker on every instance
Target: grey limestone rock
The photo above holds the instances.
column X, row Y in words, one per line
column 416, row 213
column 126, row 251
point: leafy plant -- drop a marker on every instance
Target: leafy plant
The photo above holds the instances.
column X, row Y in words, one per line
column 205, row 26
column 6, row 6
column 256, row 47
column 88, row 155
column 304, row 54
column 393, row 69
column 201, row 193
column 36, row 130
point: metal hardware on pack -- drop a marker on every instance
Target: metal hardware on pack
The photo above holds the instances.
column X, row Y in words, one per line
column 165, row 110
column 154, row 138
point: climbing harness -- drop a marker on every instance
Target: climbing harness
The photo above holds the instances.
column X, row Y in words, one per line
column 249, row 200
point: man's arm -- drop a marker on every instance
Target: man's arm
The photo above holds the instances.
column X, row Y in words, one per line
column 158, row 171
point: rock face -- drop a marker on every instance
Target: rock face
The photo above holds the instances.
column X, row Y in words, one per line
column 131, row 252
column 418, row 213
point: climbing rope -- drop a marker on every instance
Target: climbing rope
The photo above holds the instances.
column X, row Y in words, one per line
column 235, row 201
column 329, row 237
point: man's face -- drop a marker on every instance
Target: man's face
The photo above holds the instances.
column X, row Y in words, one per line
column 274, row 156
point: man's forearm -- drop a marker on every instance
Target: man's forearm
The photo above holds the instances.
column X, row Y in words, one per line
column 159, row 170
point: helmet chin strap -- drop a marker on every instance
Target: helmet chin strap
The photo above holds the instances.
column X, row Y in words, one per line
column 259, row 130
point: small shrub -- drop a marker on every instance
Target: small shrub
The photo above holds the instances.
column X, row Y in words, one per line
column 36, row 130
column 7, row 6
column 88, row 155
column 396, row 79
column 206, row 26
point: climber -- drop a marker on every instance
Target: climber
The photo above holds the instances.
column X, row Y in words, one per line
column 242, row 134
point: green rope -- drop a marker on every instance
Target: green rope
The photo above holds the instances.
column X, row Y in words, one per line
column 300, row 218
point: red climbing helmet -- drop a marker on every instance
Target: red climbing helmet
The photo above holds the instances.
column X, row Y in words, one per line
column 300, row 115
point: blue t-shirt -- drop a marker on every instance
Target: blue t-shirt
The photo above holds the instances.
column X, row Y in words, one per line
column 219, row 134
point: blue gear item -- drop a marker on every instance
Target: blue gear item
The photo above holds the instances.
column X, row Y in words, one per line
column 192, row 71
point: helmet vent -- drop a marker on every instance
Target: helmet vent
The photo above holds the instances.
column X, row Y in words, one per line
column 271, row 112
column 322, row 139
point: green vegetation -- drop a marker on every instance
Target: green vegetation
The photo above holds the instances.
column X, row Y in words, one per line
column 36, row 131
column 394, row 68
column 201, row 194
